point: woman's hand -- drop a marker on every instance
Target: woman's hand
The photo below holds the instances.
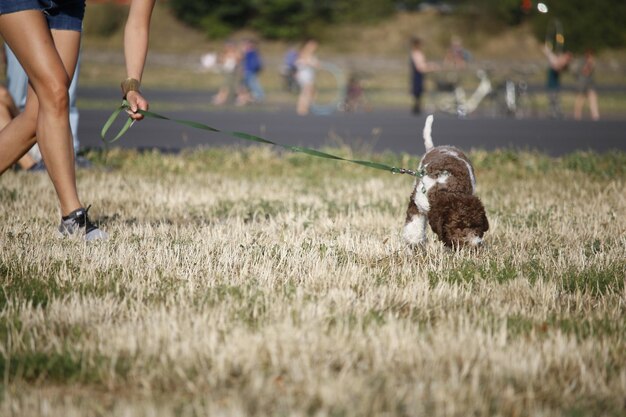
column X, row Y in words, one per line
column 136, row 102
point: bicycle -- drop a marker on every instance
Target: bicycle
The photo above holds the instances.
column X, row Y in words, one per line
column 451, row 97
column 513, row 97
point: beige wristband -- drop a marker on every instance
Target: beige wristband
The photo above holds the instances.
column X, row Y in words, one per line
column 129, row 84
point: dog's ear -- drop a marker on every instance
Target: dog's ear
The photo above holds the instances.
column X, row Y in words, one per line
column 437, row 218
column 480, row 214
column 453, row 216
column 485, row 221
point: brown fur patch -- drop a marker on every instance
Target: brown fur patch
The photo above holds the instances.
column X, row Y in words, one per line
column 440, row 159
column 456, row 217
column 412, row 210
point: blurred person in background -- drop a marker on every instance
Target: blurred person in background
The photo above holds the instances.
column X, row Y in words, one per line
column 252, row 67
column 457, row 57
column 419, row 67
column 306, row 64
column 289, row 70
column 229, row 64
column 455, row 61
column 354, row 94
column 586, row 88
column 558, row 62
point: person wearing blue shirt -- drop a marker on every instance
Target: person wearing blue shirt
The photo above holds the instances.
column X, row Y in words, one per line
column 252, row 67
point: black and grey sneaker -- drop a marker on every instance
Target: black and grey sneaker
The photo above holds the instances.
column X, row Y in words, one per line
column 77, row 223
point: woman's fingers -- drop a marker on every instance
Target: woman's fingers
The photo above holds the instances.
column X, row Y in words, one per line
column 136, row 103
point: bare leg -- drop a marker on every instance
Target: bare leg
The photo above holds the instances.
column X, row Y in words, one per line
column 8, row 111
column 578, row 106
column 49, row 60
column 8, row 107
column 305, row 98
column 221, row 97
column 593, row 105
column 555, row 104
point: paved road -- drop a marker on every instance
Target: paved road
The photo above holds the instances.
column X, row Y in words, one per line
column 394, row 130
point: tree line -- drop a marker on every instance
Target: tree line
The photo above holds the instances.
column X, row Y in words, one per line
column 587, row 24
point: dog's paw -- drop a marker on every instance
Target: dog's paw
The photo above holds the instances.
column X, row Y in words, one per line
column 413, row 248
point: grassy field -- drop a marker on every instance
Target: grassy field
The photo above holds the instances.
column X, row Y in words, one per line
column 239, row 281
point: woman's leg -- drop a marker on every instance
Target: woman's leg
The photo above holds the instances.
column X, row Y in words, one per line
column 8, row 110
column 593, row 105
column 47, row 60
column 578, row 106
column 304, row 99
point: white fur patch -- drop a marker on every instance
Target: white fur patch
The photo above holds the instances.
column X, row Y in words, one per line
column 415, row 231
column 427, row 133
column 424, row 185
column 475, row 241
column 421, row 199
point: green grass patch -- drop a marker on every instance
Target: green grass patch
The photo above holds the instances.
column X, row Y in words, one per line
column 39, row 366
column 61, row 367
column 596, row 280
column 610, row 165
column 7, row 194
column 24, row 283
column 495, row 271
column 581, row 326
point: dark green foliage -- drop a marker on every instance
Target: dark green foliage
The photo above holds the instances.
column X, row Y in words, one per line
column 289, row 19
column 233, row 13
column 587, row 24
column 217, row 17
column 283, row 19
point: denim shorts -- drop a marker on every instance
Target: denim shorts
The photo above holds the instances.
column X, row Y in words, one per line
column 61, row 14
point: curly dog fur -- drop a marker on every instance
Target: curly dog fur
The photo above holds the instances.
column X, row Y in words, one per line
column 444, row 198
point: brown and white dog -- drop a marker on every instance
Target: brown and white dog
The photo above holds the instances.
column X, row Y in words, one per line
column 444, row 197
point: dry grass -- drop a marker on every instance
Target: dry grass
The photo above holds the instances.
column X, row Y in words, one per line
column 243, row 282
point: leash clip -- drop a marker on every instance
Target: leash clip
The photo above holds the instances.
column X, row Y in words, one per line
column 407, row 171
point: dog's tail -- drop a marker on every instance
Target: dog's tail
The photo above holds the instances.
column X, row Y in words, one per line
column 428, row 128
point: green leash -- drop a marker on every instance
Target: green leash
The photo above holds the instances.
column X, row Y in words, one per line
column 241, row 135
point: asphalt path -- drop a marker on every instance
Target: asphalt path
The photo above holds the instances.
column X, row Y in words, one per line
column 379, row 130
